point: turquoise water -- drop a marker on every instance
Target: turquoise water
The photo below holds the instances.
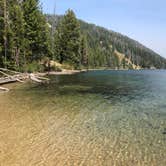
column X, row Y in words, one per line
column 94, row 118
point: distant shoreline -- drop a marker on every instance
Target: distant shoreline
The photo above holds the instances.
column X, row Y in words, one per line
column 71, row 72
column 63, row 72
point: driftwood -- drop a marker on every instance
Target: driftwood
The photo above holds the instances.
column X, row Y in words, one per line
column 11, row 78
column 4, row 89
column 3, row 73
column 6, row 80
column 7, row 70
column 33, row 78
column 18, row 77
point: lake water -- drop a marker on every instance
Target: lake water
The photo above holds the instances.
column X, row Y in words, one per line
column 98, row 118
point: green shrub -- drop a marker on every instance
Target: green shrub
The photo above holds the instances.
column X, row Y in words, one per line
column 34, row 67
column 55, row 68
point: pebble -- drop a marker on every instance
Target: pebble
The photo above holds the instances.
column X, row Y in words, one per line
column 164, row 132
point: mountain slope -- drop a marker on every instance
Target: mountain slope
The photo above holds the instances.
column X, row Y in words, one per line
column 104, row 46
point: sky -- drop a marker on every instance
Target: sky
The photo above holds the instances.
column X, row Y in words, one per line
column 142, row 20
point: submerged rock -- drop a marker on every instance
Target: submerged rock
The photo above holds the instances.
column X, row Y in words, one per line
column 164, row 132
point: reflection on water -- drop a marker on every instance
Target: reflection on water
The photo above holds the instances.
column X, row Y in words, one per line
column 95, row 118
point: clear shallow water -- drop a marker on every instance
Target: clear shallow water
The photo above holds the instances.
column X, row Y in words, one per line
column 95, row 118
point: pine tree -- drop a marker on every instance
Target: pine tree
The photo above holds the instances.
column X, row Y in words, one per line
column 17, row 35
column 5, row 33
column 36, row 31
column 24, row 33
column 69, row 39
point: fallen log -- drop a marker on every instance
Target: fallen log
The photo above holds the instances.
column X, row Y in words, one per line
column 34, row 78
column 7, row 80
column 4, row 74
column 7, row 70
column 18, row 77
column 14, row 78
column 4, row 89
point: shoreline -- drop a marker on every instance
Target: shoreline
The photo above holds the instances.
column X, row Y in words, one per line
column 35, row 77
column 65, row 72
column 40, row 77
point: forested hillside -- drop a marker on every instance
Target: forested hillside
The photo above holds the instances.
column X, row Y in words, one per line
column 29, row 40
column 107, row 48
column 111, row 41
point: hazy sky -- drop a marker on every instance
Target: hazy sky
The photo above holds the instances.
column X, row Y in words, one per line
column 142, row 20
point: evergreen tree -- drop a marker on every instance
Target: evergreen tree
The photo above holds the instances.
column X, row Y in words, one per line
column 5, row 33
column 68, row 38
column 36, row 31
column 17, row 35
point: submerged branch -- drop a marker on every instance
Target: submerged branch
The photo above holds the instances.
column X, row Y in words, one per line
column 4, row 89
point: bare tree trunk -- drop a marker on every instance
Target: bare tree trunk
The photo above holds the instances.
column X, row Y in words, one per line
column 17, row 56
column 5, row 31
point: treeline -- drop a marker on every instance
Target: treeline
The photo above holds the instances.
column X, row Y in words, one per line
column 29, row 40
column 24, row 34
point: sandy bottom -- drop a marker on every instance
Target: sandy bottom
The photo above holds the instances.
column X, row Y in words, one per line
column 44, row 128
